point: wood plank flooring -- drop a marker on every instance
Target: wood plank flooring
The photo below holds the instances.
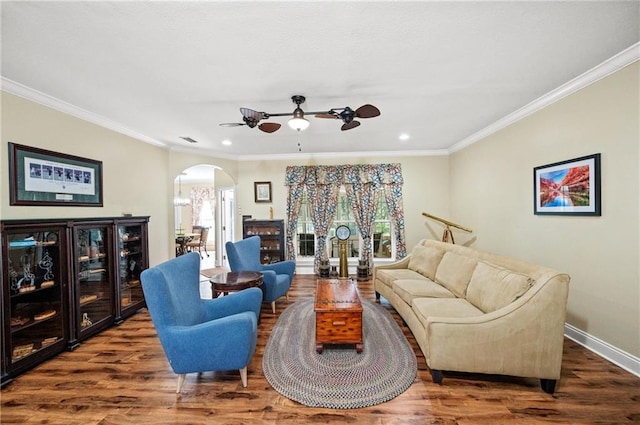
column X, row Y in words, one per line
column 122, row 377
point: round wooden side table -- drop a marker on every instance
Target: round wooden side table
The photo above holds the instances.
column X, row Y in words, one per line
column 224, row 283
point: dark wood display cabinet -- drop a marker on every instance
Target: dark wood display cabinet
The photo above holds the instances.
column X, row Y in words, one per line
column 271, row 232
column 35, row 288
column 64, row 280
column 132, row 253
column 93, row 297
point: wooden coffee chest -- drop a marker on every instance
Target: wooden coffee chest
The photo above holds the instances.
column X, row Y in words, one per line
column 338, row 313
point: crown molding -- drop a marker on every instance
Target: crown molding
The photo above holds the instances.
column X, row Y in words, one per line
column 366, row 154
column 44, row 99
column 606, row 68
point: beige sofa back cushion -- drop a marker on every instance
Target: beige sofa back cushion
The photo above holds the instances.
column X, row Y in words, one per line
column 425, row 260
column 493, row 287
column 454, row 272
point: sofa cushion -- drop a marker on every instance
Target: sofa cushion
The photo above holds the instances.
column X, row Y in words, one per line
column 493, row 287
column 408, row 289
column 443, row 307
column 388, row 276
column 454, row 272
column 425, row 260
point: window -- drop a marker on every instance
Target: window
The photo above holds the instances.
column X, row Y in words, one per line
column 344, row 216
column 382, row 236
column 382, row 240
column 304, row 231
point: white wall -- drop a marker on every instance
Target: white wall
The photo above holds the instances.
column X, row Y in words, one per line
column 492, row 192
column 134, row 172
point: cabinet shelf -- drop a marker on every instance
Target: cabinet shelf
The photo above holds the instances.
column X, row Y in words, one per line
column 36, row 290
column 30, row 322
column 86, row 258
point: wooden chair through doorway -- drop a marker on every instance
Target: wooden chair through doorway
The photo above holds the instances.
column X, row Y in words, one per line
column 199, row 242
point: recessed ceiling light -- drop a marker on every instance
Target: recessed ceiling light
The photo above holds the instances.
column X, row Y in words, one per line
column 226, row 142
column 404, row 136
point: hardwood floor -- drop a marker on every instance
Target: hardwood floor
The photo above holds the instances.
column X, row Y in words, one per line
column 122, row 377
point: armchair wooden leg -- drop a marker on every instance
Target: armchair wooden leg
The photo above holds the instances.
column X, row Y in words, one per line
column 273, row 307
column 180, row 382
column 243, row 376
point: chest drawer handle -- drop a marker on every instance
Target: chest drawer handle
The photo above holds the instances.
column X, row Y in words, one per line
column 340, row 323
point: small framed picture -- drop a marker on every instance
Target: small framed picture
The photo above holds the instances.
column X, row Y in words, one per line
column 569, row 187
column 262, row 191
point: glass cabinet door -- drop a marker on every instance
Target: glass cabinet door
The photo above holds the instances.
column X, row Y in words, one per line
column 94, row 290
column 132, row 260
column 35, row 284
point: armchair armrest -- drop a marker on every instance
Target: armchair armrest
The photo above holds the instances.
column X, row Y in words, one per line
column 201, row 347
column 282, row 267
column 237, row 302
column 268, row 276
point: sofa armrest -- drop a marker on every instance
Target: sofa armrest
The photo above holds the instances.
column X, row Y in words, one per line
column 401, row 264
column 524, row 338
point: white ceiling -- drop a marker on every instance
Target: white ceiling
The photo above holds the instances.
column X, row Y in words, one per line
column 439, row 71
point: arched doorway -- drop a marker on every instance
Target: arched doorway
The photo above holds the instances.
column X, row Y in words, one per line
column 204, row 197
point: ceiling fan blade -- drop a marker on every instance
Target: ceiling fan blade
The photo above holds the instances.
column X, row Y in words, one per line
column 269, row 127
column 326, row 116
column 252, row 115
column 349, row 126
column 231, row 124
column 367, row 111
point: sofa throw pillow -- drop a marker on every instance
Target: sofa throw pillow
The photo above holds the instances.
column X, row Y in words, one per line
column 454, row 272
column 493, row 287
column 425, row 260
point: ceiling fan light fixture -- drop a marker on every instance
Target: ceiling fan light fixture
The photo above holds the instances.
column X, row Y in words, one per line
column 298, row 122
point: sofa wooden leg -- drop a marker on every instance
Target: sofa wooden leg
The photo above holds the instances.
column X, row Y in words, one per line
column 378, row 296
column 548, row 385
column 436, row 376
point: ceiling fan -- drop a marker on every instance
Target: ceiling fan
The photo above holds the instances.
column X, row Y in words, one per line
column 298, row 122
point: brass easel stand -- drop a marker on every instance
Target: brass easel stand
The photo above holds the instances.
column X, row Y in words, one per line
column 447, row 236
column 344, row 270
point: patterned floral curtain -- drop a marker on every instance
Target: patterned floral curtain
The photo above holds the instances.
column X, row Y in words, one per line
column 362, row 193
column 294, row 178
column 200, row 195
column 391, row 178
column 322, row 184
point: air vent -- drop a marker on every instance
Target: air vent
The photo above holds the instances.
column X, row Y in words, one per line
column 189, row 139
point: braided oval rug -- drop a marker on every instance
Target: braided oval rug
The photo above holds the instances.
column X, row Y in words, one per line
column 339, row 378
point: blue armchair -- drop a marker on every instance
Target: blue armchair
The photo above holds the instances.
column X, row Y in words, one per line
column 200, row 335
column 244, row 255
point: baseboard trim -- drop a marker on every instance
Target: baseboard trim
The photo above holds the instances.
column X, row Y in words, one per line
column 616, row 356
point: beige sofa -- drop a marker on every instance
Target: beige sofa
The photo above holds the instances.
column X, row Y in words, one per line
column 472, row 311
